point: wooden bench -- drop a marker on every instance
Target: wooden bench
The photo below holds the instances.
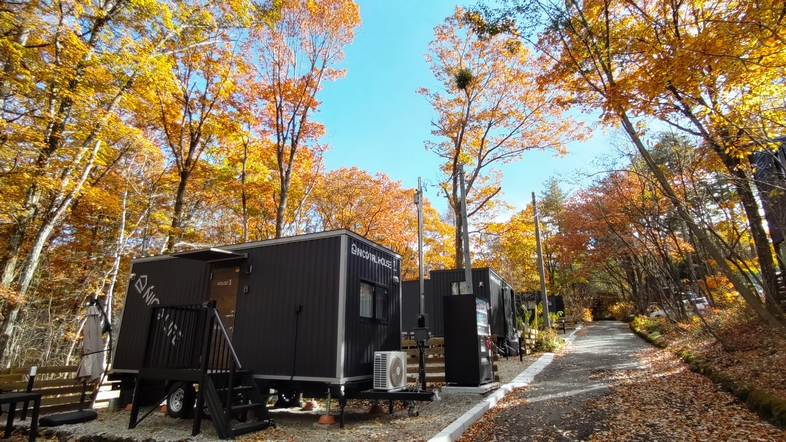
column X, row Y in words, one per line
column 59, row 388
column 566, row 323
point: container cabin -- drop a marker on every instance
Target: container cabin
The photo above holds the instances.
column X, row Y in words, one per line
column 487, row 285
column 304, row 313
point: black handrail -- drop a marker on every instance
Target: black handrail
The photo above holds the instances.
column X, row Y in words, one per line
column 228, row 360
column 225, row 347
column 175, row 337
column 189, row 337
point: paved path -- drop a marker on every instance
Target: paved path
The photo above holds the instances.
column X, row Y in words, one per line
column 554, row 407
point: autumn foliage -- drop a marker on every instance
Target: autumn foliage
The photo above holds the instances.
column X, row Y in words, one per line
column 135, row 128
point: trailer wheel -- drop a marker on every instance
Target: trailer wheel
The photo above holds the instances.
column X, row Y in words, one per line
column 181, row 399
column 288, row 399
column 206, row 412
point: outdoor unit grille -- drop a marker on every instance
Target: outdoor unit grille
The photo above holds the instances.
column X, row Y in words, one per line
column 390, row 370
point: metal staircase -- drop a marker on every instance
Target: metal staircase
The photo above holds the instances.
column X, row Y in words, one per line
column 229, row 397
column 189, row 343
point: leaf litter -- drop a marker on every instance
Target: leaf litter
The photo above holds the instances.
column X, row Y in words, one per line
column 664, row 400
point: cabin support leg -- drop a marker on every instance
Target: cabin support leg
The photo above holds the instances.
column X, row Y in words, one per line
column 342, row 402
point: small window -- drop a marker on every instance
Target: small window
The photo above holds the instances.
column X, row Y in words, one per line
column 366, row 300
column 381, row 303
column 458, row 288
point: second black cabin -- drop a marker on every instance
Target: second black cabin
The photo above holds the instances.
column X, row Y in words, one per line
column 487, row 285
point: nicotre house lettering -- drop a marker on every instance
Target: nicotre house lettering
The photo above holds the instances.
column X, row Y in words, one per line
column 371, row 257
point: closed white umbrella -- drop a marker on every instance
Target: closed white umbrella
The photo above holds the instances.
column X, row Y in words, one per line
column 92, row 364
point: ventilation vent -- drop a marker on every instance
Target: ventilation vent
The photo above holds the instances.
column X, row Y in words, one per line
column 390, row 370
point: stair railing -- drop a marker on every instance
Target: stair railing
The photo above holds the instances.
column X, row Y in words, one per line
column 225, row 357
column 174, row 335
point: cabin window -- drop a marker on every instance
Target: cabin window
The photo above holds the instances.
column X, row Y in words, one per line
column 373, row 301
column 459, row 288
column 366, row 300
column 381, row 311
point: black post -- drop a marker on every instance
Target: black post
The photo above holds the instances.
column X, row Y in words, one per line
column 30, row 381
column 422, row 364
column 421, row 336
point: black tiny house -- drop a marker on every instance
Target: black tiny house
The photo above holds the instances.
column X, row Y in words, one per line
column 487, row 285
column 307, row 310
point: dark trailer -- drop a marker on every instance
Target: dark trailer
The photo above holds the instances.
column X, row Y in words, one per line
column 302, row 313
column 486, row 285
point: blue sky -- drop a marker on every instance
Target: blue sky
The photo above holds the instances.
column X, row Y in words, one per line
column 376, row 120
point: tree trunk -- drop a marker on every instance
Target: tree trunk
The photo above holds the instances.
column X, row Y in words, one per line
column 761, row 241
column 743, row 184
column 55, row 213
column 175, row 233
column 243, row 196
column 281, row 210
column 10, row 315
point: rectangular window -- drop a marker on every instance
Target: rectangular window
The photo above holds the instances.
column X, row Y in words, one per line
column 458, row 288
column 381, row 299
column 366, row 300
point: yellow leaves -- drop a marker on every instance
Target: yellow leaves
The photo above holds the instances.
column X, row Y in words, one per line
column 670, row 61
column 10, row 296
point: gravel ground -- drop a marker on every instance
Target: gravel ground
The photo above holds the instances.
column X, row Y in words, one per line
column 294, row 425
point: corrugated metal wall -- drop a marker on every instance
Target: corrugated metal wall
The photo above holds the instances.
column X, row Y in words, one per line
column 410, row 307
column 769, row 181
column 441, row 281
column 163, row 281
column 364, row 336
column 285, row 276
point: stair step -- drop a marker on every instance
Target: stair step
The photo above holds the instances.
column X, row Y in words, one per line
column 243, row 407
column 236, row 389
column 248, row 427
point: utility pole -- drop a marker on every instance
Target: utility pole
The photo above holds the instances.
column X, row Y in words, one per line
column 465, row 235
column 420, row 332
column 543, row 295
column 419, row 203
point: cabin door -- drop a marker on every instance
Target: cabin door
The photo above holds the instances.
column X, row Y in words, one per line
column 223, row 289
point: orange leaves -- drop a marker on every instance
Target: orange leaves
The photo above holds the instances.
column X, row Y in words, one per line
column 10, row 296
column 693, row 407
column 509, row 248
column 380, row 210
column 292, row 55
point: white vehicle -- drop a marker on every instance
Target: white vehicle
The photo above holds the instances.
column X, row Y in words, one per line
column 692, row 303
column 695, row 302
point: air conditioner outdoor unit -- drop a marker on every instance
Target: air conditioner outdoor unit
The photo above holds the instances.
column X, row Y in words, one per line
column 390, row 370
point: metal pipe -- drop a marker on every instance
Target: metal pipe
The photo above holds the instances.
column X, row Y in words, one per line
column 465, row 234
column 419, row 202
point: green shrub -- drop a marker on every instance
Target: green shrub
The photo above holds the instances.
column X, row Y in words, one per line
column 647, row 325
column 548, row 340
